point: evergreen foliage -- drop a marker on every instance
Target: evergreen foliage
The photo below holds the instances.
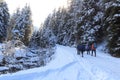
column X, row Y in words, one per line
column 23, row 25
column 87, row 20
column 83, row 21
column 44, row 38
column 4, row 20
column 112, row 14
column 10, row 28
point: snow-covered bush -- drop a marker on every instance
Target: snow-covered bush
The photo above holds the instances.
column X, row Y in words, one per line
column 15, row 56
column 8, row 48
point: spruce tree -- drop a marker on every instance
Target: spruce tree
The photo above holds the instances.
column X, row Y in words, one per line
column 16, row 17
column 113, row 27
column 28, row 26
column 10, row 29
column 23, row 25
column 4, row 20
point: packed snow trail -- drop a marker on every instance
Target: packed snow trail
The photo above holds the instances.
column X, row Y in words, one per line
column 67, row 65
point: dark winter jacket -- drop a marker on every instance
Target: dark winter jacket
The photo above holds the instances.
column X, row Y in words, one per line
column 81, row 47
column 87, row 47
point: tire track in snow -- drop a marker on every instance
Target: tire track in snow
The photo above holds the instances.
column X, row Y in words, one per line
column 84, row 66
column 88, row 65
column 81, row 72
column 65, row 67
column 94, row 71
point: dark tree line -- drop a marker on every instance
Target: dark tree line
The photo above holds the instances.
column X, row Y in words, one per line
column 88, row 20
column 82, row 21
column 112, row 26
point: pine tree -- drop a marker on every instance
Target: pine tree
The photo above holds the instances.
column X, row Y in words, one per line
column 10, row 28
column 47, row 37
column 28, row 26
column 44, row 38
column 4, row 20
column 113, row 27
column 16, row 17
column 23, row 25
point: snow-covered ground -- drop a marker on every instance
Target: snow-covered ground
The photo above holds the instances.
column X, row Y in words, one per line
column 67, row 65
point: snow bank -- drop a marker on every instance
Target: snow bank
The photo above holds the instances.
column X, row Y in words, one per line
column 67, row 65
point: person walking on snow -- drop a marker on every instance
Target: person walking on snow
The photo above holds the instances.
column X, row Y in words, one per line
column 80, row 49
column 87, row 48
column 93, row 48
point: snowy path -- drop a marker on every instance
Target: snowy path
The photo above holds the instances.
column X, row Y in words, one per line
column 67, row 65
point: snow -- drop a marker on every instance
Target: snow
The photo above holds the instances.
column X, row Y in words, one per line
column 1, row 56
column 20, row 52
column 67, row 65
column 98, row 16
column 117, row 15
column 114, row 4
column 3, row 68
column 90, row 11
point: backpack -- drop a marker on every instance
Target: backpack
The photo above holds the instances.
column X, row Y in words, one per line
column 94, row 46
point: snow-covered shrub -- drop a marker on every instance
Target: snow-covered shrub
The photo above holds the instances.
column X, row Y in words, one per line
column 22, row 57
column 9, row 47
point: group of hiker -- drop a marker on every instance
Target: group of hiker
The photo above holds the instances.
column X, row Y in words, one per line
column 89, row 47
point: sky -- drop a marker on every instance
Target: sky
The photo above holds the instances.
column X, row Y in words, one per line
column 40, row 8
column 67, row 65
